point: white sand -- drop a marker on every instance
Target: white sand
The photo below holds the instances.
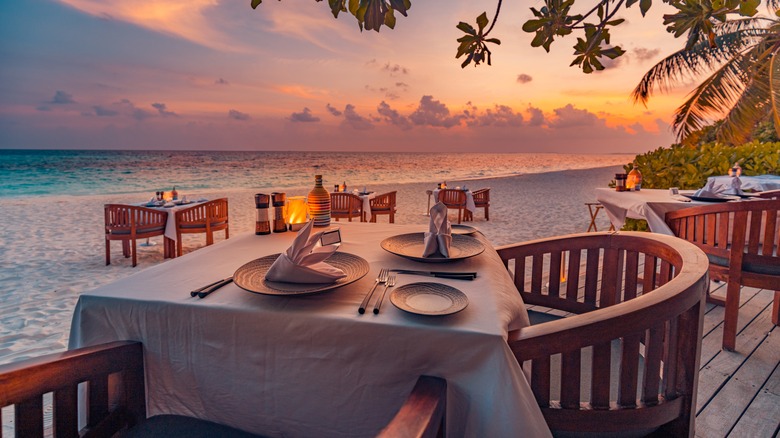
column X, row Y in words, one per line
column 52, row 248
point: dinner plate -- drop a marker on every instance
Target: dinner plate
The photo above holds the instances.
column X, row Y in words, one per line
column 724, row 198
column 411, row 246
column 251, row 276
column 463, row 229
column 429, row 299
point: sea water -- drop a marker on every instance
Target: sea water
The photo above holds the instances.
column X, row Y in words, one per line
column 25, row 173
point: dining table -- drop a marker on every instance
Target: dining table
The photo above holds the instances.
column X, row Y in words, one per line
column 758, row 183
column 171, row 207
column 312, row 365
column 648, row 204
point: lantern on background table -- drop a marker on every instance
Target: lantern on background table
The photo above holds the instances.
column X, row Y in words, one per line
column 297, row 212
column 634, row 178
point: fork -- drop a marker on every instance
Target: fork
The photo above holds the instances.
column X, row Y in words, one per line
column 381, row 278
column 390, row 283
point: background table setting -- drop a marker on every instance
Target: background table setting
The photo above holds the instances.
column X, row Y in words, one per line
column 303, row 361
column 167, row 203
column 470, row 205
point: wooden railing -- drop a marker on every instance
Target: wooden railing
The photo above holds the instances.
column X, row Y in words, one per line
column 628, row 358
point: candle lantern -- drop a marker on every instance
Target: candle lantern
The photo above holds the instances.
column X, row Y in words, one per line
column 278, row 200
column 297, row 212
column 620, row 182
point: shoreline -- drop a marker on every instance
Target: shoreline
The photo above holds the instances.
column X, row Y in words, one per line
column 52, row 247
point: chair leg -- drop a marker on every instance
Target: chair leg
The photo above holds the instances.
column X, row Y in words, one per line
column 487, row 213
column 126, row 248
column 776, row 309
column 108, row 252
column 392, row 217
column 135, row 253
column 227, row 232
column 460, row 214
column 373, row 217
column 179, row 245
column 730, row 316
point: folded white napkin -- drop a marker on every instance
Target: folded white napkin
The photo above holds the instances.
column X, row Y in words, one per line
column 303, row 262
column 710, row 191
column 152, row 201
column 439, row 237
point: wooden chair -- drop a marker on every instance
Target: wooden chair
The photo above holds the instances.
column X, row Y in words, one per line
column 481, row 200
column 454, row 199
column 741, row 242
column 627, row 362
column 128, row 223
column 346, row 205
column 114, row 374
column 769, row 194
column 383, row 204
column 207, row 217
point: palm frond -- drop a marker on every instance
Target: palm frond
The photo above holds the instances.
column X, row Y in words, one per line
column 751, row 107
column 715, row 96
column 701, row 58
column 774, row 84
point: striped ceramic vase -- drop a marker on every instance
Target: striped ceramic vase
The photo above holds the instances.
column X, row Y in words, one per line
column 319, row 203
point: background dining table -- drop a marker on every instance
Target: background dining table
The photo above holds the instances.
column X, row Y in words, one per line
column 470, row 206
column 312, row 365
column 170, row 224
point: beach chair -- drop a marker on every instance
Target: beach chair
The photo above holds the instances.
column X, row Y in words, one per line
column 116, row 399
column 626, row 363
column 127, row 223
column 741, row 243
column 207, row 218
column 383, row 204
column 481, row 200
column 346, row 206
column 454, row 199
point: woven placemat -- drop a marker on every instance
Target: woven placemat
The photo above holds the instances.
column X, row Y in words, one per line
column 251, row 276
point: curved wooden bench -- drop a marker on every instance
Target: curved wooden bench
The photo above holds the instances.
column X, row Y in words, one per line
column 627, row 361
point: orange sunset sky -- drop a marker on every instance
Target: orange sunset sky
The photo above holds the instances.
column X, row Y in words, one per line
column 217, row 75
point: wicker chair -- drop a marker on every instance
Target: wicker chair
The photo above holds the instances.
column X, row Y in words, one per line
column 627, row 363
column 128, row 223
column 383, row 204
column 114, row 376
column 346, row 205
column 741, row 242
column 207, row 218
column 454, row 199
column 481, row 200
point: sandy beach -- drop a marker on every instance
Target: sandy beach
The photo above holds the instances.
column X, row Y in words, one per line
column 52, row 248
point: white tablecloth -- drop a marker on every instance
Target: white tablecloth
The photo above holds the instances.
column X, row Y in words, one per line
column 311, row 365
column 470, row 206
column 760, row 183
column 649, row 204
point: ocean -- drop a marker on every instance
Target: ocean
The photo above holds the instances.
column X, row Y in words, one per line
column 25, row 173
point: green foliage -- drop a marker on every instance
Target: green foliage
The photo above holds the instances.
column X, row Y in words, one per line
column 688, row 167
column 473, row 43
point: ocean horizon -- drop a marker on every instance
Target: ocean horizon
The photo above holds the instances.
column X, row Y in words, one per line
column 43, row 172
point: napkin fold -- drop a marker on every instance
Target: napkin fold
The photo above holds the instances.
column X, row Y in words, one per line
column 439, row 235
column 304, row 261
column 710, row 191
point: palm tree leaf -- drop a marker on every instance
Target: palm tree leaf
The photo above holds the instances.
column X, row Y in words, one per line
column 751, row 107
column 713, row 97
column 678, row 66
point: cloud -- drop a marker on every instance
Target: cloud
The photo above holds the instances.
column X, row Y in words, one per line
column 238, row 115
column 140, row 114
column 523, row 78
column 403, row 85
column 395, row 69
column 500, row 116
column 355, row 120
column 388, row 93
column 642, row 54
column 101, row 111
column 393, row 117
column 221, row 81
column 431, row 112
column 62, row 98
column 537, row 116
column 163, row 110
column 304, row 116
column 333, row 110
column 571, row 117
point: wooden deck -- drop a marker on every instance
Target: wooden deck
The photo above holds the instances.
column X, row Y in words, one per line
column 739, row 392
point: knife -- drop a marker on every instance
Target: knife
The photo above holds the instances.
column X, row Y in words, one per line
column 453, row 275
column 204, row 293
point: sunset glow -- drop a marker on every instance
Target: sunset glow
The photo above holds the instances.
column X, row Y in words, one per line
column 211, row 74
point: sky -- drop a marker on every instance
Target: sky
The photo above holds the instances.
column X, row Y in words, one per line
column 218, row 75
